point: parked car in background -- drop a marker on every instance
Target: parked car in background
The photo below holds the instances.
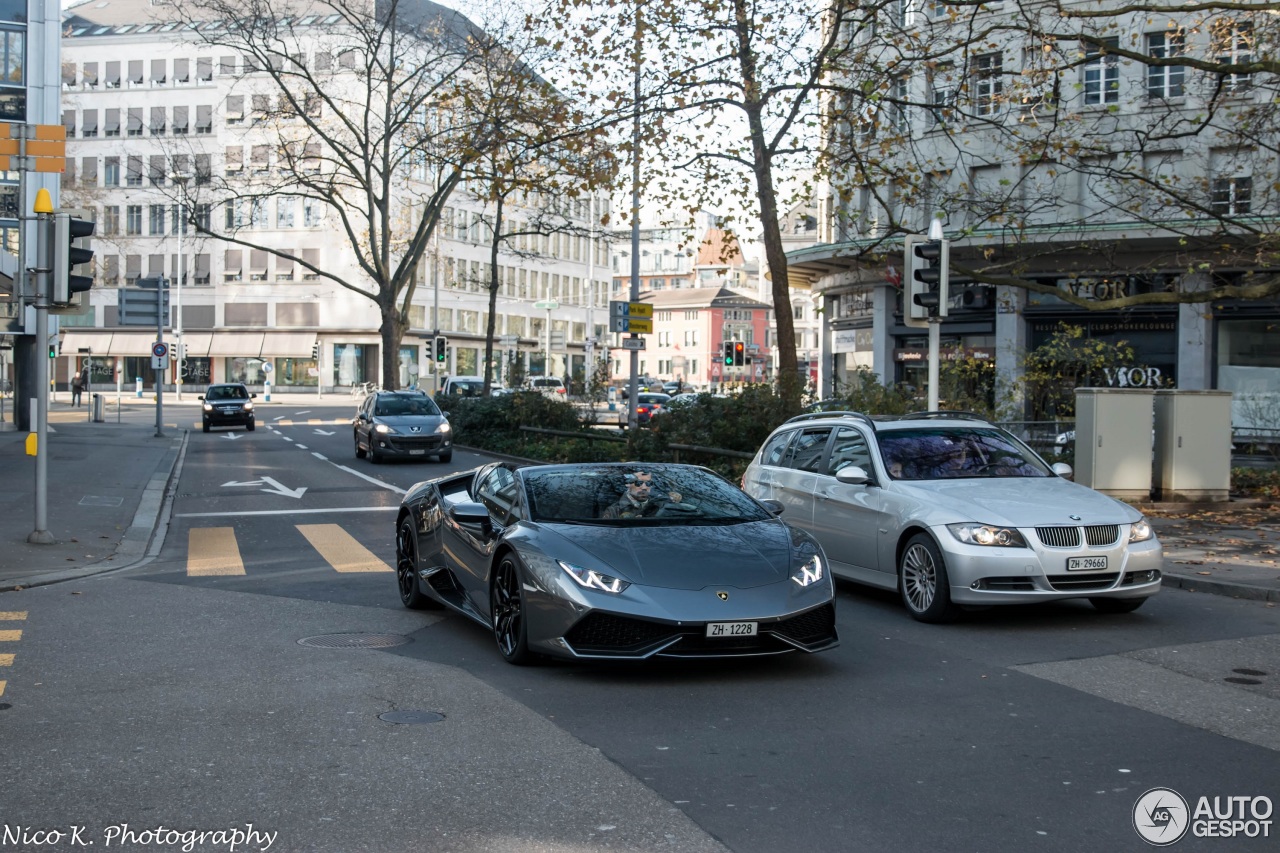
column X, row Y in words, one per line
column 951, row 510
column 468, row 386
column 541, row 557
column 401, row 424
column 227, row 404
column 552, row 386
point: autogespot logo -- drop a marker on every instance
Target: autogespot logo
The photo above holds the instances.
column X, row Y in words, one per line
column 1160, row 816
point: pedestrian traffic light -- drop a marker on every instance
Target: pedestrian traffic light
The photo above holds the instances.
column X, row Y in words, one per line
column 926, row 263
column 53, row 350
column 441, row 349
column 729, row 360
column 70, row 249
column 315, row 351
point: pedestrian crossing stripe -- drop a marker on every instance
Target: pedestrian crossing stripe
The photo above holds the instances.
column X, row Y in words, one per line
column 13, row 615
column 213, row 551
column 10, row 636
column 6, row 660
column 340, row 549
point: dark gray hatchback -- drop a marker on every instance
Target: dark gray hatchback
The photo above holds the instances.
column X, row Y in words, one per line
column 401, row 424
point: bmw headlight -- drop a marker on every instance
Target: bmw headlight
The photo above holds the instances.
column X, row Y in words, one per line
column 383, row 428
column 811, row 572
column 1140, row 531
column 444, row 428
column 972, row 533
column 591, row 579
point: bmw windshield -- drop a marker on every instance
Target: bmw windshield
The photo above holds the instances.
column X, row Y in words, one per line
column 945, row 453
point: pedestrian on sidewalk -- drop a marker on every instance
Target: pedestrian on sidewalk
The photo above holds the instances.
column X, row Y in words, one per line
column 76, row 388
column 84, row 378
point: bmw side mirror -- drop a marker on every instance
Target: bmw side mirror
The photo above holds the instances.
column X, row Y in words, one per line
column 852, row 475
column 1063, row 470
column 775, row 508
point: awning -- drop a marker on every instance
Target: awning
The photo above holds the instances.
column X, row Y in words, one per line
column 132, row 343
column 288, row 344
column 242, row 344
column 98, row 343
column 197, row 343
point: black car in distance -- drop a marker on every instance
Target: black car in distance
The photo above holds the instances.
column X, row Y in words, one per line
column 227, row 404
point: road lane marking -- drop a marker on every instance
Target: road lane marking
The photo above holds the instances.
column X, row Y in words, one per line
column 10, row 636
column 6, row 660
column 320, row 456
column 340, row 549
column 302, row 447
column 213, row 551
column 286, row 511
column 373, row 480
column 13, row 615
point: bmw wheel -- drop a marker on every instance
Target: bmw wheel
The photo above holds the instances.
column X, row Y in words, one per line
column 411, row 594
column 506, row 607
column 359, row 450
column 1117, row 605
column 922, row 580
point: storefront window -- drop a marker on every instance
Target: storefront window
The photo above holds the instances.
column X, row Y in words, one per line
column 246, row 370
column 1249, row 367
column 196, row 371
column 408, row 358
column 296, row 371
column 348, row 364
column 468, row 361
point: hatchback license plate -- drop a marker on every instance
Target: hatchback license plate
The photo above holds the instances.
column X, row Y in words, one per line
column 417, row 453
column 1086, row 564
column 731, row 629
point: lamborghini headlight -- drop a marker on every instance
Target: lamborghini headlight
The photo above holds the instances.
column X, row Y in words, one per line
column 972, row 533
column 591, row 579
column 811, row 572
column 1140, row 531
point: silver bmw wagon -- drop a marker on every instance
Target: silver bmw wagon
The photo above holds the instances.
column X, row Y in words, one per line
column 951, row 510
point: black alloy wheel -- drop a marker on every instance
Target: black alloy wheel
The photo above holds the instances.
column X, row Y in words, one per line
column 922, row 581
column 359, row 450
column 250, row 426
column 411, row 594
column 1117, row 605
column 447, row 456
column 205, row 424
column 506, row 607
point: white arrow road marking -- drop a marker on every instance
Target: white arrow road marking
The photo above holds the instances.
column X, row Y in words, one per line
column 324, row 432
column 231, row 435
column 278, row 489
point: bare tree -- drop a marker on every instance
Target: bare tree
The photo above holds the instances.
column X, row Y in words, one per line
column 370, row 113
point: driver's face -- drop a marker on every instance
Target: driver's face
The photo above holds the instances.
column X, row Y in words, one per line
column 641, row 486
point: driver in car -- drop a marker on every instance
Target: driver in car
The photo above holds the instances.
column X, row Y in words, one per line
column 639, row 501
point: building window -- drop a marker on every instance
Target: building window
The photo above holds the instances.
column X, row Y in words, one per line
column 133, row 219
column 1102, row 74
column 111, row 172
column 111, row 218
column 157, row 220
column 942, row 93
column 134, row 177
column 1233, row 45
column 284, row 211
column 1165, row 81
column 987, row 84
column 203, row 216
column 899, row 117
column 1231, row 196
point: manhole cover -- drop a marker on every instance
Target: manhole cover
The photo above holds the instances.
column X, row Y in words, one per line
column 1238, row 680
column 354, row 640
column 411, row 717
column 1248, row 672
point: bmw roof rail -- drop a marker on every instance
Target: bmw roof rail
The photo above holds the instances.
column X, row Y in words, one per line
column 814, row 416
column 943, row 413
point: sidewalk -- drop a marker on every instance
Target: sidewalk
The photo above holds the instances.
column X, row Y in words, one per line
column 108, row 485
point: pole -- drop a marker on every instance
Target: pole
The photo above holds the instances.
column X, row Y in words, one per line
column 160, row 370
column 177, row 302
column 44, row 265
column 633, row 383
column 935, row 333
column 591, row 292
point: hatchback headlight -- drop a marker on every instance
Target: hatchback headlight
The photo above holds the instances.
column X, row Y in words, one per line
column 383, row 428
column 208, row 407
column 811, row 572
column 591, row 579
column 972, row 533
column 1140, row 531
column 444, row 428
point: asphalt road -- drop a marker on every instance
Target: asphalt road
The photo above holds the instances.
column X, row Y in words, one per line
column 177, row 693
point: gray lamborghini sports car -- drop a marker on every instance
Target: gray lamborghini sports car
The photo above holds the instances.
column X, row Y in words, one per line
column 614, row 561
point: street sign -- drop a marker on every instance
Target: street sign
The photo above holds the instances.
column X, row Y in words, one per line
column 508, row 340
column 634, row 343
column 546, row 304
column 630, row 309
column 640, row 325
column 159, row 349
column 159, row 362
column 138, row 307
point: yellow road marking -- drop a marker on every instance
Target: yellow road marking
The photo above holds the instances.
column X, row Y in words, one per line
column 6, row 660
column 12, row 615
column 340, row 549
column 213, row 551
column 1, row 688
column 10, row 636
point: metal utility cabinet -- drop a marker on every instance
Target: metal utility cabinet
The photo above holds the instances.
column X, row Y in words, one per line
column 1193, row 445
column 1113, row 441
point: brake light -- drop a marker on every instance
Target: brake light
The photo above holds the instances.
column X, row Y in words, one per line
column 559, row 390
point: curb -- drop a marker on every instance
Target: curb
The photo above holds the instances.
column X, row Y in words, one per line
column 1216, row 587
column 156, row 499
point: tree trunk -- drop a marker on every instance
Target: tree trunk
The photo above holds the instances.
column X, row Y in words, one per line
column 391, row 332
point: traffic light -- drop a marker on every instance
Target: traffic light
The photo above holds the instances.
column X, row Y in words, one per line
column 315, row 351
column 729, row 360
column 53, row 350
column 70, row 250
column 441, row 349
column 739, row 353
column 927, row 273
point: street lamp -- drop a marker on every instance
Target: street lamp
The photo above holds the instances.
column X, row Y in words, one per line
column 550, row 305
column 181, row 358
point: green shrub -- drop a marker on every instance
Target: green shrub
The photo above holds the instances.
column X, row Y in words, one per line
column 1255, row 482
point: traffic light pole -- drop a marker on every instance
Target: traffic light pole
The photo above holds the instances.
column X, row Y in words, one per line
column 935, row 343
column 160, row 370
column 42, row 270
